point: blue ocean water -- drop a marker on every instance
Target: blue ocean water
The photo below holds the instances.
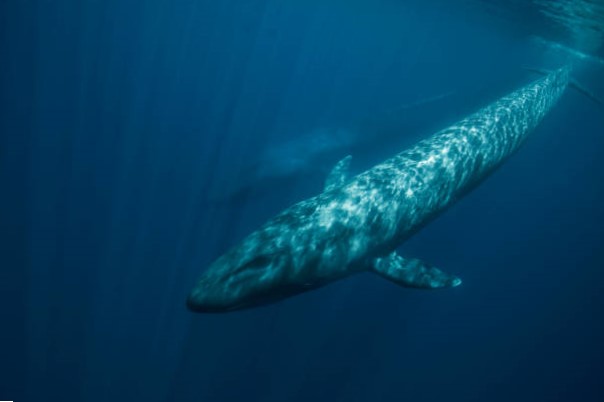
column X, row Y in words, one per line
column 129, row 132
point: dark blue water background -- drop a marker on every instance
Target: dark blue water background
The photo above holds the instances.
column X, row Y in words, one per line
column 117, row 118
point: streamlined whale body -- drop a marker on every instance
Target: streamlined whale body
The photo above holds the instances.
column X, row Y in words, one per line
column 356, row 224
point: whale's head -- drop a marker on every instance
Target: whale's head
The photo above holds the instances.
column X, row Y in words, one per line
column 265, row 267
column 306, row 246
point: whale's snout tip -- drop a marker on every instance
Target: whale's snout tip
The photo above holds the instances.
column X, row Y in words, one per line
column 192, row 302
column 204, row 300
column 199, row 301
column 456, row 282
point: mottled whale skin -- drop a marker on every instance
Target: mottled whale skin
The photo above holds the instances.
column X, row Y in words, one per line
column 356, row 225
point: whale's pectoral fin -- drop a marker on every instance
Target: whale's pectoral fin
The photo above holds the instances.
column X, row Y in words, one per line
column 339, row 174
column 413, row 273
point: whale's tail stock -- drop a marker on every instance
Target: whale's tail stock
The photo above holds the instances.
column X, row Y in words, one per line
column 573, row 83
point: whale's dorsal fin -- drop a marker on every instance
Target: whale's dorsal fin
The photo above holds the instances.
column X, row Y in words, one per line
column 339, row 174
column 413, row 273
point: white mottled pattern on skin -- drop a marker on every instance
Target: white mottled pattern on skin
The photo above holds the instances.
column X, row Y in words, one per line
column 341, row 230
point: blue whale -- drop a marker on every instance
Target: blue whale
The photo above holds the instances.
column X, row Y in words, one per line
column 356, row 224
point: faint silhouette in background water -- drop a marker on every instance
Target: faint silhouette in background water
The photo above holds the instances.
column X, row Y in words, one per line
column 316, row 152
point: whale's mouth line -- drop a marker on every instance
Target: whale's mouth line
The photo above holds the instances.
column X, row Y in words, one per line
column 256, row 263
